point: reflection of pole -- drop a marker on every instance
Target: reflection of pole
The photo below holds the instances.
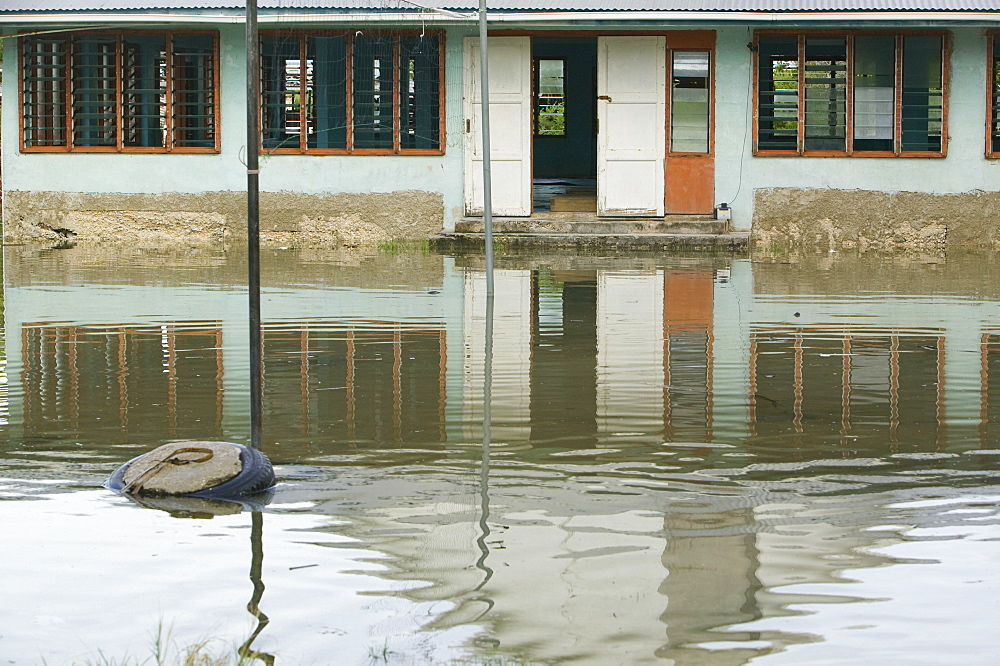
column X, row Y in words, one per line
column 484, row 470
column 253, row 223
column 484, row 88
column 256, row 565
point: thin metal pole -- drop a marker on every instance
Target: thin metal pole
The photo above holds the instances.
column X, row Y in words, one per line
column 253, row 224
column 484, row 86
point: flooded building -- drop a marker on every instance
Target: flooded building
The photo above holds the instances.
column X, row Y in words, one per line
column 873, row 126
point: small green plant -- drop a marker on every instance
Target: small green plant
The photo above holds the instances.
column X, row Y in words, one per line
column 164, row 651
column 380, row 655
column 390, row 246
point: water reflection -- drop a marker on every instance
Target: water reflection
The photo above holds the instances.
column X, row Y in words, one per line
column 686, row 459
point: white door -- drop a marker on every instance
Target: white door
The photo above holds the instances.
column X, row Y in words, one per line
column 510, row 126
column 631, row 105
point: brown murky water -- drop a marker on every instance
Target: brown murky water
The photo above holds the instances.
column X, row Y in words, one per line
column 699, row 460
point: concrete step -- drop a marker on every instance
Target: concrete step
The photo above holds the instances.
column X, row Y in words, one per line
column 576, row 223
column 718, row 242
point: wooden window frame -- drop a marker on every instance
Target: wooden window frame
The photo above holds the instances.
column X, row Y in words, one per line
column 536, row 96
column 992, row 115
column 683, row 47
column 120, row 147
column 303, row 147
column 849, row 35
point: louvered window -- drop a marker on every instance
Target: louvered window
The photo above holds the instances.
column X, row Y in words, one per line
column 854, row 93
column 378, row 93
column 120, row 91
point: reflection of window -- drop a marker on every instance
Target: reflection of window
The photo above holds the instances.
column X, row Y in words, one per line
column 836, row 384
column 689, row 102
column 550, row 97
column 163, row 379
column 351, row 93
column 369, row 383
column 120, row 91
column 892, row 103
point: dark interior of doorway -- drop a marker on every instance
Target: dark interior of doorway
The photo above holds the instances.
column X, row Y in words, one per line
column 565, row 124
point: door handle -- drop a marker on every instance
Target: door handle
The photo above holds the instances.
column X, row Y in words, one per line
column 604, row 97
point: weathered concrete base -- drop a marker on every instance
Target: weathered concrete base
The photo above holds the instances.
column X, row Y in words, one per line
column 830, row 219
column 729, row 242
column 183, row 467
column 216, row 218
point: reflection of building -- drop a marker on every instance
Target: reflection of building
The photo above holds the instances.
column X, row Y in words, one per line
column 584, row 357
column 618, row 394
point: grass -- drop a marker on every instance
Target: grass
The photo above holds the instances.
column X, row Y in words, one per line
column 164, row 651
column 398, row 245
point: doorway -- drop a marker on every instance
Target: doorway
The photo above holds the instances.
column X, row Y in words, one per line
column 590, row 124
column 564, row 124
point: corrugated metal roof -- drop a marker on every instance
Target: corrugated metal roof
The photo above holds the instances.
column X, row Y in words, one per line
column 512, row 5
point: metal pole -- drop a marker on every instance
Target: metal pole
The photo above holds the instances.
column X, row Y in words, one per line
column 484, row 87
column 253, row 224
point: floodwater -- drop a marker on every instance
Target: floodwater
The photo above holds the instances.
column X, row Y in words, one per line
column 691, row 460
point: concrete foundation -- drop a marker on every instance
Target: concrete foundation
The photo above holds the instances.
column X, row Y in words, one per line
column 216, row 218
column 831, row 219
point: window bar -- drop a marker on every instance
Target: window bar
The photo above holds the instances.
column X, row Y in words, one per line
column 984, row 382
column 304, row 379
column 845, row 388
column 894, row 392
column 349, row 94
column 397, row 386
column 68, row 92
column 74, row 377
column 991, row 94
column 168, row 84
column 397, row 93
column 122, row 376
column 349, row 392
column 752, row 398
column 945, row 68
column 442, row 385
column 939, row 406
column 303, row 123
column 897, row 140
column 849, row 96
column 219, row 367
column 170, row 334
column 800, row 73
column 709, row 387
column 216, row 103
column 440, row 95
column 119, row 96
column 799, row 358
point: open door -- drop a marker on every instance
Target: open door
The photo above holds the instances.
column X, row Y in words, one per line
column 510, row 126
column 631, row 101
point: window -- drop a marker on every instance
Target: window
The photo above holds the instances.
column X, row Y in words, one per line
column 352, row 93
column 993, row 140
column 120, row 91
column 550, row 97
column 689, row 101
column 851, row 94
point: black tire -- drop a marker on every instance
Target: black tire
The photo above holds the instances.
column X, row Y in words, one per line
column 255, row 477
